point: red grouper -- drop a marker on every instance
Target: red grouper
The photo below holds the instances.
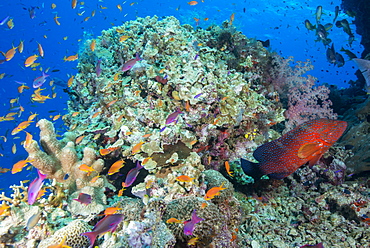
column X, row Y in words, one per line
column 305, row 143
column 108, row 224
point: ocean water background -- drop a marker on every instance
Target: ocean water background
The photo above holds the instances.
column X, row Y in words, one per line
column 282, row 22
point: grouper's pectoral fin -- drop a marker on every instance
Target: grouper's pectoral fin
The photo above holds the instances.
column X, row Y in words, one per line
column 310, row 149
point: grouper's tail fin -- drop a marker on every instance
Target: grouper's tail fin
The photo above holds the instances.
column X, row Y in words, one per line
column 251, row 169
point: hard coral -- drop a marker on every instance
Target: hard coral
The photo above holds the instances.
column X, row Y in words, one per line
column 195, row 80
column 71, row 233
column 59, row 158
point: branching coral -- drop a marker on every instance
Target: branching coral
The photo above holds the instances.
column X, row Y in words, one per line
column 59, row 158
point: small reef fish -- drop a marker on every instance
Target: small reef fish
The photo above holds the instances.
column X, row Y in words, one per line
column 319, row 245
column 74, row 4
column 22, row 88
column 212, row 192
column 17, row 167
column 116, row 167
column 20, row 47
column 92, row 45
column 108, row 224
column 4, row 170
column 32, row 12
column 345, row 25
column 131, row 175
column 71, row 58
column 86, row 168
column 61, row 244
column 192, row 3
column 39, row 81
column 364, row 67
column 23, row 125
column 10, row 24
column 41, row 50
column 123, row 38
column 129, row 64
column 33, row 220
column 107, row 151
column 28, row 140
column 189, row 225
column 174, row 220
column 83, row 198
column 318, row 13
column 193, row 241
column 30, row 60
column 3, row 209
column 98, row 69
column 111, row 210
column 184, row 178
column 136, row 148
column 173, row 117
column 305, row 143
column 10, row 53
column 56, row 17
column 309, row 25
column 34, row 188
column 227, row 168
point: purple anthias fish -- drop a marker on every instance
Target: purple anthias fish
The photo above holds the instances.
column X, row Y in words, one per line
column 319, row 245
column 34, row 188
column 108, row 224
column 97, row 68
column 84, row 198
column 132, row 174
column 129, row 64
column 3, row 21
column 39, row 81
column 173, row 117
column 32, row 12
column 189, row 225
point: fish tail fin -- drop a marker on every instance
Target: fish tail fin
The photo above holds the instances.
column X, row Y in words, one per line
column 251, row 169
column 91, row 236
column 138, row 58
column 41, row 176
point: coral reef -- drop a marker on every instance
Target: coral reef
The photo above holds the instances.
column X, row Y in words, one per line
column 187, row 72
column 180, row 102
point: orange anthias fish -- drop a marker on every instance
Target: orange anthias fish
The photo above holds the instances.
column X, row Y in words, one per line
column 86, row 168
column 17, row 167
column 30, row 60
column 71, row 58
column 184, row 178
column 211, row 193
column 116, row 167
column 10, row 53
column 174, row 220
column 305, row 143
column 21, row 126
column 107, row 151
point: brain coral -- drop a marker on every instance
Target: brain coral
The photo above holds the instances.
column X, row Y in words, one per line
column 72, row 234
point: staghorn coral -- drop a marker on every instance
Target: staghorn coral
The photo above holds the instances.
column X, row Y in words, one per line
column 60, row 158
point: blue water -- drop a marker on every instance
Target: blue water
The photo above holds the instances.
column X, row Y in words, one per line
column 280, row 21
